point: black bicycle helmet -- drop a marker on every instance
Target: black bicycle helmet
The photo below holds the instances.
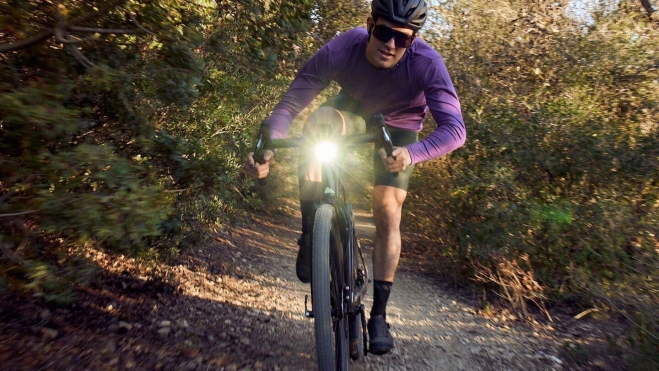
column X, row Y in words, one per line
column 411, row 13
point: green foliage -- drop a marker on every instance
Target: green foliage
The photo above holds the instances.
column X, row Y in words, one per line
column 55, row 283
column 559, row 174
column 333, row 16
column 123, row 124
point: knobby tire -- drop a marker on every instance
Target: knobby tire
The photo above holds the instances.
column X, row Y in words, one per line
column 326, row 284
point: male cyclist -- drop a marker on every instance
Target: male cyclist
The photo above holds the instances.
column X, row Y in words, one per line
column 384, row 68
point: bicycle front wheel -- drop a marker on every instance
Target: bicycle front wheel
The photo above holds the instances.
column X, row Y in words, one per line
column 327, row 282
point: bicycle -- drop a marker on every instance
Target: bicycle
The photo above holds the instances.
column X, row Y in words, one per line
column 339, row 275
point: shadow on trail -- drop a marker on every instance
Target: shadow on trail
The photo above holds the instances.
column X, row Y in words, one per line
column 219, row 309
column 112, row 328
column 235, row 305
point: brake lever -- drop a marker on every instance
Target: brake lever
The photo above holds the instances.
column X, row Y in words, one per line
column 260, row 148
column 385, row 137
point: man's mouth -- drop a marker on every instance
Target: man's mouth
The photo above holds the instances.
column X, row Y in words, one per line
column 386, row 53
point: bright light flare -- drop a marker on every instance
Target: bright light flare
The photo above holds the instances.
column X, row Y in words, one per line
column 326, row 151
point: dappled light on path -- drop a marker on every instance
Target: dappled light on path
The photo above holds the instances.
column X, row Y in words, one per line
column 432, row 330
column 236, row 304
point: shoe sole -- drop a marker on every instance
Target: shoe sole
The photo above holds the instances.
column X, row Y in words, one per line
column 379, row 351
column 379, row 348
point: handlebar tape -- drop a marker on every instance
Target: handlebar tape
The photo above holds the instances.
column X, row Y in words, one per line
column 259, row 148
column 385, row 137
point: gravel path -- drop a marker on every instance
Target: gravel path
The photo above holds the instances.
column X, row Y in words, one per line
column 236, row 305
column 432, row 330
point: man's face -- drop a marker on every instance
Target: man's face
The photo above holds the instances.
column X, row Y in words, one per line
column 385, row 54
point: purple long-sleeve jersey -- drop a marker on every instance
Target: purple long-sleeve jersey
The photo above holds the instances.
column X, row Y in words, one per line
column 403, row 94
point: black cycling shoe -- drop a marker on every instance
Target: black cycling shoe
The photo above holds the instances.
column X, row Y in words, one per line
column 380, row 339
column 303, row 261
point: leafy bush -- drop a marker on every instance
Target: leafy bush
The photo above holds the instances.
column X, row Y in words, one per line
column 554, row 197
column 121, row 126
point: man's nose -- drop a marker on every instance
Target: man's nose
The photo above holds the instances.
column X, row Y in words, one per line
column 391, row 44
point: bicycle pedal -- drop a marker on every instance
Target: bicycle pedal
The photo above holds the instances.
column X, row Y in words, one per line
column 361, row 277
column 307, row 313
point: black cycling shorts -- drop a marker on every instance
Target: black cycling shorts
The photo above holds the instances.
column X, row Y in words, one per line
column 357, row 124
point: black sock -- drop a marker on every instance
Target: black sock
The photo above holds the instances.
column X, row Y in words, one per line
column 381, row 290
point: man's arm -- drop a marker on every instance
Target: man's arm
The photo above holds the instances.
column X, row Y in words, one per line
column 314, row 76
column 444, row 105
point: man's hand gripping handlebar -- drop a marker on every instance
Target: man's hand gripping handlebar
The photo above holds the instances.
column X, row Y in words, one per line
column 395, row 159
column 257, row 163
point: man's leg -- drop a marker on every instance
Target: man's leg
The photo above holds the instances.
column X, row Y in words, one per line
column 389, row 194
column 387, row 211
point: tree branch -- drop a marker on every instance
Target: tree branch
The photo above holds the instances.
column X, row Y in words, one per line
column 103, row 30
column 132, row 18
column 11, row 215
column 46, row 34
column 27, row 42
column 77, row 54
column 63, row 36
column 648, row 7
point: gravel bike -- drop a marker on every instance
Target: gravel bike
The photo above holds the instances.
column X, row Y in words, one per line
column 339, row 275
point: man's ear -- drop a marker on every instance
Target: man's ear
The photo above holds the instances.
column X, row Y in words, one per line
column 369, row 24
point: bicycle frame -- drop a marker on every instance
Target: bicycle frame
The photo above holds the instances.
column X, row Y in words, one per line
column 348, row 303
column 336, row 196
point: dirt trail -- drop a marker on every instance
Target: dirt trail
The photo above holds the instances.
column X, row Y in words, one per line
column 237, row 305
column 432, row 331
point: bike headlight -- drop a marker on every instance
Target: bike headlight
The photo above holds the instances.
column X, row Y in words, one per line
column 325, row 151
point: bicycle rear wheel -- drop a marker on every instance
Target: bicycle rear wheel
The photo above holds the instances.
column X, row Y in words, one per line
column 327, row 282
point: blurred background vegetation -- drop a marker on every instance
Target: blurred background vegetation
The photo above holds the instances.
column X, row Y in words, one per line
column 123, row 125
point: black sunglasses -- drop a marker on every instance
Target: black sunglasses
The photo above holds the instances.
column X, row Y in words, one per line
column 384, row 34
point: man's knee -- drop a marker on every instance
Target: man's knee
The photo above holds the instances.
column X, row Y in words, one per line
column 388, row 198
column 388, row 204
